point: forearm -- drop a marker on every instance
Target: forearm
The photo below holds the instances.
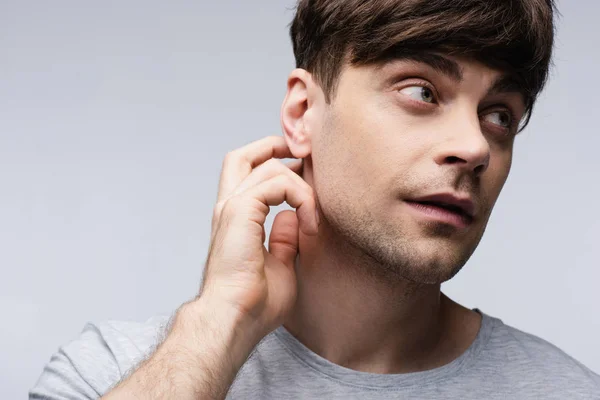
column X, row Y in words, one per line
column 199, row 359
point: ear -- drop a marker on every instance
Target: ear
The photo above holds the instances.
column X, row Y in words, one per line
column 298, row 112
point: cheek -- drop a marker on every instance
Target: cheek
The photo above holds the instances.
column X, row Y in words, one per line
column 496, row 175
column 384, row 137
column 331, row 160
column 404, row 154
column 346, row 158
column 368, row 151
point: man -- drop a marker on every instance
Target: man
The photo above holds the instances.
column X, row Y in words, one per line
column 403, row 115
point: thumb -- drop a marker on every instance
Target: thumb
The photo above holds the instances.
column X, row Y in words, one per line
column 283, row 241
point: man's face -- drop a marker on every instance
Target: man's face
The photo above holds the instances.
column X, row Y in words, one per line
column 402, row 147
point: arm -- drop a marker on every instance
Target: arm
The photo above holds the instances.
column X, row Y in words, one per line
column 247, row 290
column 199, row 358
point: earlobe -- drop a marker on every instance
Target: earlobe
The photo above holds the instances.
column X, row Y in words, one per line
column 294, row 112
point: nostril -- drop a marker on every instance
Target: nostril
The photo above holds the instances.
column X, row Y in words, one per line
column 454, row 160
column 479, row 169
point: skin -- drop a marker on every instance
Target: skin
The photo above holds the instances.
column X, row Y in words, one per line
column 355, row 271
column 369, row 284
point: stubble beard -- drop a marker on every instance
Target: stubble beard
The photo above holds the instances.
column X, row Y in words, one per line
column 387, row 253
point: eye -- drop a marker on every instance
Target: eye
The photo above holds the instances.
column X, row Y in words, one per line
column 419, row 93
column 500, row 118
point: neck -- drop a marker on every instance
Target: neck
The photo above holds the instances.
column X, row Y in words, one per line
column 368, row 322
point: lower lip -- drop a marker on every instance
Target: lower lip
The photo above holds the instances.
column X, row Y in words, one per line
column 441, row 215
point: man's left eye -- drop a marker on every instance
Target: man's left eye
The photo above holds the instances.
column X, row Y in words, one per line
column 500, row 118
column 420, row 93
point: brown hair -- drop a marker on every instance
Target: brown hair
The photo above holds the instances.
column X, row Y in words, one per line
column 515, row 36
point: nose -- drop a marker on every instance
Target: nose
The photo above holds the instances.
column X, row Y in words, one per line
column 465, row 146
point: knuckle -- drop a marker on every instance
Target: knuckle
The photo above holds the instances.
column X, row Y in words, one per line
column 284, row 179
column 292, row 183
column 233, row 206
column 288, row 179
column 218, row 208
column 278, row 166
column 230, row 157
column 271, row 163
column 229, row 205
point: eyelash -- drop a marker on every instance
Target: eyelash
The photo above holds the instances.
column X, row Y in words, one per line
column 421, row 83
column 512, row 128
column 514, row 123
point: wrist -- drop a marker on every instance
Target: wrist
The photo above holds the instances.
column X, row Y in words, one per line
column 200, row 357
column 207, row 331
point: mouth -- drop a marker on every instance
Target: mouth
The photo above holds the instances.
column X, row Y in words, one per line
column 445, row 208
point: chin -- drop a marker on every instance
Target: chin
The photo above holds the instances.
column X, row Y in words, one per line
column 432, row 261
column 430, row 270
column 397, row 249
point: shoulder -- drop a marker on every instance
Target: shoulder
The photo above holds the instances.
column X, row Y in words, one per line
column 541, row 361
column 98, row 358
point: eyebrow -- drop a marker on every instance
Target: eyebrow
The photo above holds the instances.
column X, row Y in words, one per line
column 441, row 64
column 507, row 84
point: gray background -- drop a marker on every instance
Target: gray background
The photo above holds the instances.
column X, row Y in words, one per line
column 115, row 116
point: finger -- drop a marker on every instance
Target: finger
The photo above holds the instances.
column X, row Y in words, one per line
column 260, row 174
column 283, row 240
column 239, row 163
column 270, row 169
column 273, row 192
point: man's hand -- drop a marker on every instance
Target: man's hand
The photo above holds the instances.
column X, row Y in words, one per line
column 241, row 274
column 247, row 291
